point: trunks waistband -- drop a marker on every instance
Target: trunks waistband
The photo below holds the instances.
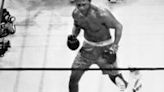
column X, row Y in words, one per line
column 99, row 44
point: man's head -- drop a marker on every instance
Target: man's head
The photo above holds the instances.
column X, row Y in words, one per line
column 83, row 5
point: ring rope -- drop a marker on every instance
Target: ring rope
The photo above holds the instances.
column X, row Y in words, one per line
column 68, row 69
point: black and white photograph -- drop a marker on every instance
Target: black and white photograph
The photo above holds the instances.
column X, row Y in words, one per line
column 81, row 45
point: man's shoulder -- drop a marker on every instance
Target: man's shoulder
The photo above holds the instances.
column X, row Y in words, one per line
column 102, row 12
column 75, row 13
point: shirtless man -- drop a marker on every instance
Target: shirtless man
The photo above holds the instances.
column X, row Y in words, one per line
column 98, row 47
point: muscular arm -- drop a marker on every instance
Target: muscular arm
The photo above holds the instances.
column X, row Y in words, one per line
column 76, row 28
column 111, row 22
column 72, row 42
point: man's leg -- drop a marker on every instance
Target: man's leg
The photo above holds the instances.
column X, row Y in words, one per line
column 133, row 85
column 79, row 63
column 109, row 60
column 119, row 81
column 74, row 80
column 114, row 75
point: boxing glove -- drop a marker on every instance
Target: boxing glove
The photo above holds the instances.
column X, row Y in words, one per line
column 72, row 42
column 110, row 56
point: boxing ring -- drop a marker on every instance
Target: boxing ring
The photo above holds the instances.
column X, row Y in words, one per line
column 39, row 60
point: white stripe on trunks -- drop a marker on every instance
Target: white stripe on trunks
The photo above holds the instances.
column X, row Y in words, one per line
column 99, row 44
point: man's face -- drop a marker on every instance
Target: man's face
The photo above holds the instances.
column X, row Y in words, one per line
column 82, row 5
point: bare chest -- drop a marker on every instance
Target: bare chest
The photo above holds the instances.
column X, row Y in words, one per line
column 91, row 22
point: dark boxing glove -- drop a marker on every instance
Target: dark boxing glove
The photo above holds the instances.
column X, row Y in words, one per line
column 110, row 56
column 72, row 42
